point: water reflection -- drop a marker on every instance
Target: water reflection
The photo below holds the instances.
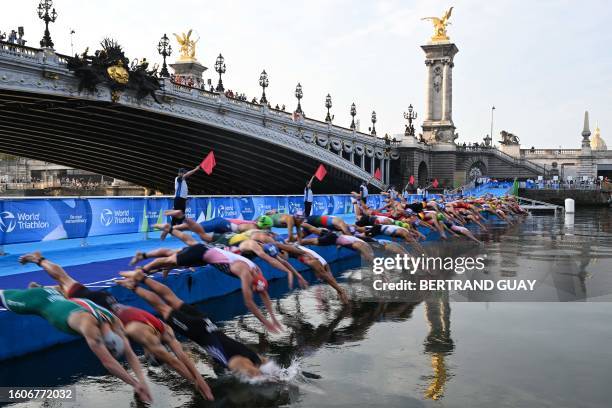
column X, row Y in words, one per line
column 357, row 339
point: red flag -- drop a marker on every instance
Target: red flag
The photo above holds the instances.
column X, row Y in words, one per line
column 320, row 173
column 435, row 183
column 208, row 163
column 377, row 174
column 411, row 181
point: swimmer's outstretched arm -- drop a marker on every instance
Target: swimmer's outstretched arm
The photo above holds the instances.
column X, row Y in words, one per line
column 130, row 356
column 93, row 337
column 178, row 351
column 247, row 295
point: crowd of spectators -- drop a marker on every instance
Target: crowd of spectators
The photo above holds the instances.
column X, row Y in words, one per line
column 198, row 83
column 579, row 183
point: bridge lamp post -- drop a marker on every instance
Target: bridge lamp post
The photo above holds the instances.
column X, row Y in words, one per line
column 328, row 105
column 353, row 113
column 299, row 94
column 373, row 132
column 263, row 82
column 43, row 13
column 410, row 116
column 220, row 68
column 165, row 50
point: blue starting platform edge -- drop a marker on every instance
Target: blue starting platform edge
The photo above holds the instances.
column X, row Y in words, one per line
column 97, row 266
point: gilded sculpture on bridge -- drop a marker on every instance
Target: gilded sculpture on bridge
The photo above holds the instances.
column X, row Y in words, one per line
column 440, row 24
column 187, row 46
column 109, row 66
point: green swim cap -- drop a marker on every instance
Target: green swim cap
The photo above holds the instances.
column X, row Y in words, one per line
column 440, row 216
column 264, row 222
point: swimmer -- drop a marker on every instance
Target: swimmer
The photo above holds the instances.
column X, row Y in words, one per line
column 139, row 325
column 317, row 263
column 195, row 325
column 218, row 225
column 282, row 221
column 82, row 317
column 236, row 266
column 327, row 238
column 329, row 222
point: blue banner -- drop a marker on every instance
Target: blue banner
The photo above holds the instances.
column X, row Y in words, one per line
column 35, row 220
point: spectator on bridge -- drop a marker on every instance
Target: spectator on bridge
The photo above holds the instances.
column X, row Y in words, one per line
column 308, row 197
column 181, row 193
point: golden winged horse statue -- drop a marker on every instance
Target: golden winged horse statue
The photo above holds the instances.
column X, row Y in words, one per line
column 440, row 26
column 187, row 46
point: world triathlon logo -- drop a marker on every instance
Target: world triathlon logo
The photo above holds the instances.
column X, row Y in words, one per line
column 106, row 217
column 8, row 222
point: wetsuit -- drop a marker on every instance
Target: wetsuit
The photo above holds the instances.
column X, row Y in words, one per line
column 195, row 325
column 325, row 221
column 277, row 220
column 49, row 304
column 218, row 225
column 365, row 220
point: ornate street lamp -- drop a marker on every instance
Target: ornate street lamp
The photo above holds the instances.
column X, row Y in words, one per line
column 410, row 116
column 353, row 113
column 328, row 105
column 165, row 50
column 373, row 132
column 220, row 68
column 43, row 13
column 263, row 82
column 299, row 94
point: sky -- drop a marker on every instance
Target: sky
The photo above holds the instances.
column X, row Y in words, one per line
column 540, row 63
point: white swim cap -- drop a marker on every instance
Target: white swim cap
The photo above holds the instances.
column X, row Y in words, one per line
column 114, row 343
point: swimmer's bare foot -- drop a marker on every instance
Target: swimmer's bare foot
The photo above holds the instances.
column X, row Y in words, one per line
column 138, row 257
column 136, row 275
column 165, row 229
column 33, row 257
column 127, row 283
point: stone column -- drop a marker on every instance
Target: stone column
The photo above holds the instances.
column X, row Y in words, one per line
column 428, row 88
column 447, row 91
column 387, row 170
column 363, row 161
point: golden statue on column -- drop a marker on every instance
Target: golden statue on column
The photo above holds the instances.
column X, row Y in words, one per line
column 187, row 46
column 440, row 24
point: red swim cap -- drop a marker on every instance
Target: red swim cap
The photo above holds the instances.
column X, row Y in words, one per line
column 260, row 284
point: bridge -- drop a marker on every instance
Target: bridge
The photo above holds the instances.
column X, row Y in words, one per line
column 258, row 149
column 44, row 114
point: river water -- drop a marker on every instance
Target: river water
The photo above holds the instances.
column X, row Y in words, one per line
column 546, row 348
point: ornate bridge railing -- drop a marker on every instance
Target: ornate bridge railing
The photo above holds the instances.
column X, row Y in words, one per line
column 44, row 71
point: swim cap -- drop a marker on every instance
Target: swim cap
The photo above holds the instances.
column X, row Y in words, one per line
column 260, row 284
column 264, row 222
column 114, row 343
column 271, row 250
column 440, row 216
column 299, row 214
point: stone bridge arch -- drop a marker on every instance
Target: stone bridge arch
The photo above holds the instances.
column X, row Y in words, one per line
column 475, row 168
